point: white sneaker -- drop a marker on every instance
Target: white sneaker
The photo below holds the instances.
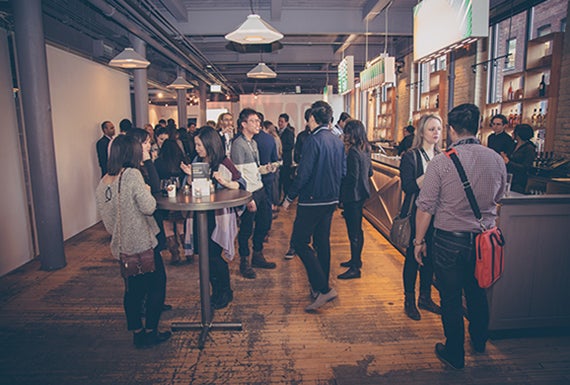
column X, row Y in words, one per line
column 322, row 299
column 290, row 253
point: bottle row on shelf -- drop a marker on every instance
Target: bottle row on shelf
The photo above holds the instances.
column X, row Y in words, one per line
column 515, row 116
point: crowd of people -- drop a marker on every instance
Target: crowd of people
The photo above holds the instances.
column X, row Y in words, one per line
column 323, row 167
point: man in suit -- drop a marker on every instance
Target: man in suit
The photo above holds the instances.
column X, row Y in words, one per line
column 287, row 135
column 103, row 145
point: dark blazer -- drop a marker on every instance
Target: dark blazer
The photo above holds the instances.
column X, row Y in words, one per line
column 411, row 168
column 102, row 153
column 502, row 142
column 520, row 162
column 355, row 185
column 405, row 144
column 288, row 143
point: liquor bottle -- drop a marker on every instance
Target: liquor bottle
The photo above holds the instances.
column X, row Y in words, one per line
column 539, row 117
column 510, row 93
column 533, row 118
column 510, row 118
column 437, row 101
column 542, row 88
column 427, row 103
column 515, row 118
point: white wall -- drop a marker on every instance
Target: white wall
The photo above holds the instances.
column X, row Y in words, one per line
column 295, row 105
column 83, row 95
column 16, row 246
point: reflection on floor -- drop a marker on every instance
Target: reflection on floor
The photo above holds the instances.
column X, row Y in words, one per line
column 68, row 327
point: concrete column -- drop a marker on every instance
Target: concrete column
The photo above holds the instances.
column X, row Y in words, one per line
column 33, row 77
column 203, row 103
column 181, row 102
column 140, row 85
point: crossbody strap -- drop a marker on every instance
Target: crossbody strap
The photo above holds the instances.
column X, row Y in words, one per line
column 452, row 154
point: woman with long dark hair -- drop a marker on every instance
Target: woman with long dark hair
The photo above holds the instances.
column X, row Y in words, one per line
column 224, row 174
column 354, row 190
column 168, row 167
column 126, row 206
column 412, row 167
column 520, row 161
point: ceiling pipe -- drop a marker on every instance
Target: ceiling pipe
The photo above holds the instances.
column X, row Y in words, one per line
column 112, row 13
column 164, row 35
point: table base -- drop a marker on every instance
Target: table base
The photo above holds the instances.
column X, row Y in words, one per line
column 205, row 329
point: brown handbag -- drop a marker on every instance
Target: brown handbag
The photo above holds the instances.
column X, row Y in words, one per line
column 133, row 264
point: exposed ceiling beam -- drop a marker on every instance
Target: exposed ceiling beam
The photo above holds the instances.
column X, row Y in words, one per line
column 347, row 42
column 276, row 7
column 372, row 8
column 177, row 9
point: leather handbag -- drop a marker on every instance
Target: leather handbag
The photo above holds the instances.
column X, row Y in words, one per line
column 132, row 264
column 490, row 256
column 401, row 230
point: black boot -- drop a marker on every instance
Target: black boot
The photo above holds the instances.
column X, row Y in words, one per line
column 245, row 268
column 410, row 307
column 426, row 303
column 172, row 245
column 224, row 299
column 258, row 260
column 139, row 339
column 351, row 273
column 154, row 337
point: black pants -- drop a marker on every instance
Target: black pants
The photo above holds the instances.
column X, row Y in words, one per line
column 262, row 218
column 219, row 270
column 411, row 267
column 286, row 173
column 454, row 262
column 353, row 218
column 149, row 286
column 315, row 222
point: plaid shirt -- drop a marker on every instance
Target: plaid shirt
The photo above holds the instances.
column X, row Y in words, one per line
column 442, row 193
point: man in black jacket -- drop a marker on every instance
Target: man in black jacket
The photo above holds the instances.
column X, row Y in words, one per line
column 317, row 185
column 103, row 145
column 287, row 135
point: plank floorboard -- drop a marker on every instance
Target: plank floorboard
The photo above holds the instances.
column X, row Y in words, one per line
column 68, row 327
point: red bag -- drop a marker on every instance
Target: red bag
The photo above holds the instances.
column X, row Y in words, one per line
column 490, row 262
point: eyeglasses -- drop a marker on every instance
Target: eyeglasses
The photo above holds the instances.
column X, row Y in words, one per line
column 254, row 121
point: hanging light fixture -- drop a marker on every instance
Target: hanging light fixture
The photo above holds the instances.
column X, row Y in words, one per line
column 180, row 84
column 261, row 71
column 129, row 59
column 254, row 30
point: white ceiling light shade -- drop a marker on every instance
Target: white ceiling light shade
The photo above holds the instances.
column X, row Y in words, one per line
column 261, row 71
column 129, row 59
column 254, row 30
column 180, row 84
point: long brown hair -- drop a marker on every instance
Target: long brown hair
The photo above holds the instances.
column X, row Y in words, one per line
column 355, row 135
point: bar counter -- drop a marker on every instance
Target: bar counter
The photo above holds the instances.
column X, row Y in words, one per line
column 534, row 291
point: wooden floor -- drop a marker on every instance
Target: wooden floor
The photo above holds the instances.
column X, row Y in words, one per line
column 68, row 327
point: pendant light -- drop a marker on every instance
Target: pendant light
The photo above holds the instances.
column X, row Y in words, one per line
column 254, row 30
column 180, row 84
column 261, row 71
column 129, row 59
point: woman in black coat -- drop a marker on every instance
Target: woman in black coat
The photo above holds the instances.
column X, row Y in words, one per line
column 412, row 167
column 520, row 161
column 354, row 190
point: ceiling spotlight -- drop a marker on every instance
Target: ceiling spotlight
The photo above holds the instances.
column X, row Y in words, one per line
column 180, row 84
column 261, row 71
column 254, row 30
column 129, row 59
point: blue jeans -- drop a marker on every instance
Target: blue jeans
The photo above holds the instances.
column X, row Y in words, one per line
column 454, row 263
column 315, row 222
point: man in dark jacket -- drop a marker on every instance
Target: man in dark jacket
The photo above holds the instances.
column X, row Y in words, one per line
column 287, row 136
column 317, row 185
column 103, row 145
